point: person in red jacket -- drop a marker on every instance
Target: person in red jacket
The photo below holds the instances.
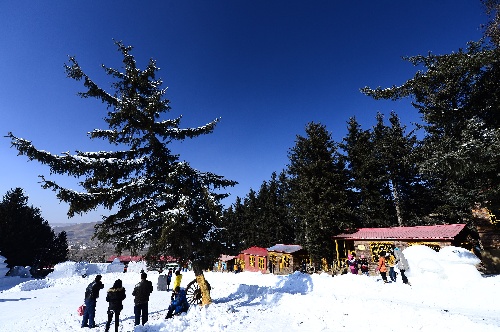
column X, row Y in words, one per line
column 381, row 266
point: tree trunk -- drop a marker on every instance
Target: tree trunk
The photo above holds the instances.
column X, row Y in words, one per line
column 397, row 203
column 205, row 291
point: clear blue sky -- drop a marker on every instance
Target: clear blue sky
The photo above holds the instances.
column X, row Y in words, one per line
column 267, row 68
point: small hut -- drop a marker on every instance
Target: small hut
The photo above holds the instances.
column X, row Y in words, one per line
column 371, row 241
column 285, row 258
column 225, row 263
column 254, row 259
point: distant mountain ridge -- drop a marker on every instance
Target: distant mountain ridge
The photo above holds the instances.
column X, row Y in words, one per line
column 77, row 233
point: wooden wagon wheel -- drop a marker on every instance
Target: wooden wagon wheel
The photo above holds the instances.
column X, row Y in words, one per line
column 193, row 292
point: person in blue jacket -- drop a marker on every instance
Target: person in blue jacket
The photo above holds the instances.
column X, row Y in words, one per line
column 179, row 303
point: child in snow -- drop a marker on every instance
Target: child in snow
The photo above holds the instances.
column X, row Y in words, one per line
column 115, row 297
column 364, row 265
column 179, row 303
column 391, row 262
column 352, row 263
column 381, row 266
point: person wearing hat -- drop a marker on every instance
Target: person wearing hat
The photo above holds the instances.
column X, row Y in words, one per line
column 402, row 264
column 91, row 295
column 179, row 303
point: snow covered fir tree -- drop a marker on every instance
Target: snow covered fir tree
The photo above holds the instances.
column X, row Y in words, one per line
column 162, row 204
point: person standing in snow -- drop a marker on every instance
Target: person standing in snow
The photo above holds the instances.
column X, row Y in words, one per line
column 91, row 295
column 391, row 261
column 402, row 264
column 169, row 278
column 381, row 266
column 352, row 262
column 364, row 265
column 178, row 279
column 141, row 294
column 115, row 297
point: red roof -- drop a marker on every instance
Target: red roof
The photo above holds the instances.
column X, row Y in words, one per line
column 125, row 258
column 437, row 232
column 257, row 251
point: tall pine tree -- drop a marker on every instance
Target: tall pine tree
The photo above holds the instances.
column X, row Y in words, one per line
column 319, row 193
column 162, row 203
column 26, row 238
column 458, row 97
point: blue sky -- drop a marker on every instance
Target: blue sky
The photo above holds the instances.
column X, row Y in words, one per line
column 267, row 68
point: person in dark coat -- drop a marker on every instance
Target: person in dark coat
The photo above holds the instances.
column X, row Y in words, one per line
column 364, row 265
column 141, row 298
column 115, row 297
column 91, row 295
column 169, row 278
column 179, row 303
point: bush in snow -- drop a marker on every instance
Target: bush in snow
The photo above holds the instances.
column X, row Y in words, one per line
column 20, row 271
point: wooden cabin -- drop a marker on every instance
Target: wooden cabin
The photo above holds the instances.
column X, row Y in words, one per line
column 371, row 241
column 285, row 258
column 488, row 229
column 225, row 263
column 254, row 259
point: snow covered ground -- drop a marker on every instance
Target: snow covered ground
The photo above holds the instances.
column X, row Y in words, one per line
column 446, row 294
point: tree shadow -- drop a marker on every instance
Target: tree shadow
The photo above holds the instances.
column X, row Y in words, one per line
column 15, row 300
column 251, row 295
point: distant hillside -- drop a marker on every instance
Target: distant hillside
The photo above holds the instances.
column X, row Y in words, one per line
column 77, row 233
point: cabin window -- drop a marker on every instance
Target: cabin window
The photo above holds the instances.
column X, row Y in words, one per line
column 252, row 261
column 262, row 264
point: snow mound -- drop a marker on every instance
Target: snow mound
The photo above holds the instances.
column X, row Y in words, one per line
column 458, row 255
column 115, row 266
column 137, row 266
column 69, row 269
column 32, row 285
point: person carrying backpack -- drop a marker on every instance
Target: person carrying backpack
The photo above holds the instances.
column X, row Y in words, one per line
column 91, row 295
column 141, row 292
column 115, row 297
column 179, row 303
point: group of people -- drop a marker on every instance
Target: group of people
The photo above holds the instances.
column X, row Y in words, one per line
column 116, row 294
column 390, row 260
column 356, row 265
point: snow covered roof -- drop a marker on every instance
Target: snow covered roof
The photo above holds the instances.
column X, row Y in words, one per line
column 286, row 248
column 436, row 232
column 257, row 251
column 226, row 258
